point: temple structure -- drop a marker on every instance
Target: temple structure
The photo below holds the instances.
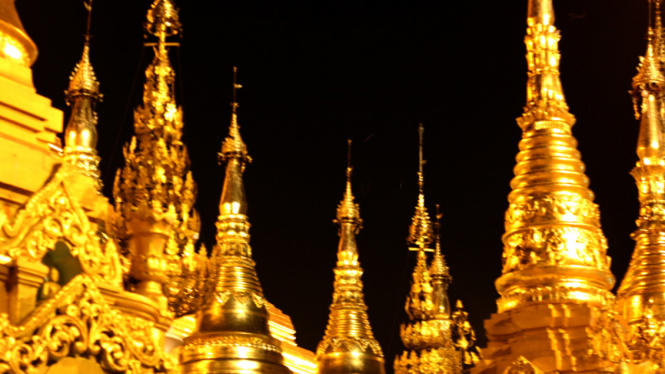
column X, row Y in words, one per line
column 641, row 296
column 123, row 286
column 555, row 285
column 348, row 345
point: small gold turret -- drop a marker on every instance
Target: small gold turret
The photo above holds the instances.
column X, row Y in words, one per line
column 232, row 334
column 554, row 250
column 154, row 192
column 641, row 296
column 440, row 275
column 348, row 345
column 81, row 131
column 428, row 334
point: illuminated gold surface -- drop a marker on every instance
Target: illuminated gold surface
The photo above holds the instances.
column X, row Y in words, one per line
column 556, row 310
column 554, row 250
column 154, row 192
column 348, row 345
column 15, row 44
column 81, row 131
column 427, row 336
column 232, row 331
column 641, row 296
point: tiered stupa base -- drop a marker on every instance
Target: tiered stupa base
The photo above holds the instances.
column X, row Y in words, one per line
column 554, row 338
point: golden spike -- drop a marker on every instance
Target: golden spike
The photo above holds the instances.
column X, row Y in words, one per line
column 155, row 192
column 347, row 209
column 644, row 284
column 348, row 340
column 233, row 333
column 659, row 44
column 81, row 131
column 440, row 274
column 420, row 231
column 554, row 249
column 233, row 145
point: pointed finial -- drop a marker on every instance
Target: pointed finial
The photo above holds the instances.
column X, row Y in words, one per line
column 163, row 20
column 233, row 145
column 83, row 82
column 421, row 162
column 236, row 86
column 420, row 232
column 348, row 210
column 88, row 6
column 438, row 268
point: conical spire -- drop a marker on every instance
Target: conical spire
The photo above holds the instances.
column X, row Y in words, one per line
column 554, row 250
column 641, row 296
column 81, row 131
column 232, row 332
column 428, row 335
column 155, row 192
column 440, row 275
column 348, row 344
column 420, row 231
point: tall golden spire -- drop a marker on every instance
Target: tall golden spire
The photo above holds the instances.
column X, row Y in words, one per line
column 554, row 250
column 81, row 131
column 154, row 192
column 641, row 296
column 555, row 310
column 348, row 345
column 232, row 334
column 428, row 334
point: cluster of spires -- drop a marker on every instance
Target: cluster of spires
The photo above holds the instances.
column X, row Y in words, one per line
column 528, row 266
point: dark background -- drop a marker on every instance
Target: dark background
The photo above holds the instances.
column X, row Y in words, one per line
column 316, row 73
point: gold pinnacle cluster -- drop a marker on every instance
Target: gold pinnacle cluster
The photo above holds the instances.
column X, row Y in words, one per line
column 122, row 285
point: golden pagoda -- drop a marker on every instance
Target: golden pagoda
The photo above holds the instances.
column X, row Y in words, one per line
column 555, row 305
column 232, row 332
column 428, row 336
column 348, row 345
column 641, row 296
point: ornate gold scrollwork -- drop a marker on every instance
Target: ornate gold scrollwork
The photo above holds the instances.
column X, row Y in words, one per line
column 77, row 321
column 52, row 215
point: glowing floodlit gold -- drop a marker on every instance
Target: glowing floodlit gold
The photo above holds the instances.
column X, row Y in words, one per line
column 641, row 296
column 428, row 334
column 15, row 44
column 154, row 192
column 348, row 345
column 232, row 334
column 81, row 131
column 554, row 250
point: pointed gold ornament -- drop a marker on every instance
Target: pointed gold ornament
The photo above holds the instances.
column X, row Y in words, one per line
column 155, row 192
column 348, row 345
column 81, row 131
column 232, row 334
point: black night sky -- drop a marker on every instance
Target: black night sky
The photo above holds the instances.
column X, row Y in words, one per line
column 316, row 73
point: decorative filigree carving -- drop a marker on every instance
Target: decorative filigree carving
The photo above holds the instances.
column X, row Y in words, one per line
column 522, row 366
column 348, row 344
column 535, row 209
column 554, row 246
column 52, row 215
column 77, row 321
column 231, row 341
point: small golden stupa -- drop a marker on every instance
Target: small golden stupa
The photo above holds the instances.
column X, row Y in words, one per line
column 348, row 345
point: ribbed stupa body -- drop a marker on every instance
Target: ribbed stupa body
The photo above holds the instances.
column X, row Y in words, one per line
column 348, row 345
column 232, row 334
column 554, row 250
column 641, row 295
column 555, row 310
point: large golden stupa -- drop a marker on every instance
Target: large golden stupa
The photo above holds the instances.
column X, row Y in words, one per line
column 100, row 285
